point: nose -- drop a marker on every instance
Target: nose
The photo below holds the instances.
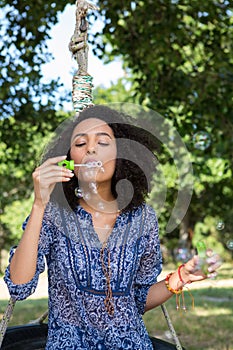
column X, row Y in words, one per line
column 91, row 144
column 91, row 147
column 91, row 150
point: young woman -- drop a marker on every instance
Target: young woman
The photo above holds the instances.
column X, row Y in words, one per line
column 98, row 235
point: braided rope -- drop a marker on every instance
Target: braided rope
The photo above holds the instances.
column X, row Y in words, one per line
column 82, row 92
column 6, row 318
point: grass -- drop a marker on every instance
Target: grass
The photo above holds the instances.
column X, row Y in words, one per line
column 26, row 310
column 208, row 327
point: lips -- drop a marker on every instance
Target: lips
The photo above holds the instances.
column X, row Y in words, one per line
column 91, row 160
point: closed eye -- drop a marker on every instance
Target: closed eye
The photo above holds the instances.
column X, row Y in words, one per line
column 80, row 144
column 102, row 143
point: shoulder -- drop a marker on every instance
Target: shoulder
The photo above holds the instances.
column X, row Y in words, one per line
column 147, row 214
column 151, row 218
column 148, row 211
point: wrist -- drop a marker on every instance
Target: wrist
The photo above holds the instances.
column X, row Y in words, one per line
column 177, row 289
column 39, row 205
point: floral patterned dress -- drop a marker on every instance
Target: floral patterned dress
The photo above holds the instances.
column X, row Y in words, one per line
column 78, row 319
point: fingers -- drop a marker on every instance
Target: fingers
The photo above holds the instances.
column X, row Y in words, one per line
column 198, row 268
column 214, row 262
column 52, row 161
column 51, row 168
column 192, row 264
column 209, row 265
column 52, row 174
column 47, row 175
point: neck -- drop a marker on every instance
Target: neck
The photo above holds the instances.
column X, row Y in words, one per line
column 98, row 198
column 101, row 190
column 96, row 204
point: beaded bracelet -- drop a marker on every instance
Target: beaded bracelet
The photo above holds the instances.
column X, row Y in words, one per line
column 179, row 291
column 174, row 291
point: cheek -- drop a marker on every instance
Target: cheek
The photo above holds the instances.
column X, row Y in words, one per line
column 109, row 168
column 110, row 154
column 76, row 154
column 109, row 159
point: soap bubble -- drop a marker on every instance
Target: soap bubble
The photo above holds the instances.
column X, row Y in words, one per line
column 182, row 254
column 78, row 192
column 229, row 244
column 89, row 174
column 220, row 225
column 93, row 187
column 87, row 196
column 201, row 140
column 101, row 206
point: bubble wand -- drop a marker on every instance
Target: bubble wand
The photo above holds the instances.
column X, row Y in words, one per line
column 69, row 164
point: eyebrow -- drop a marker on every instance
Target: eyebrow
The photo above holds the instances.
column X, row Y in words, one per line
column 97, row 134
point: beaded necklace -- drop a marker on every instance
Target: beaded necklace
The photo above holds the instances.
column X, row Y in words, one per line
column 106, row 267
column 108, row 301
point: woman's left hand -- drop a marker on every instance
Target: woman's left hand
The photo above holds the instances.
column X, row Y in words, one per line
column 192, row 270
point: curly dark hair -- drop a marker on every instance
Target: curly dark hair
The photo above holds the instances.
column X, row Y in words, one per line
column 135, row 163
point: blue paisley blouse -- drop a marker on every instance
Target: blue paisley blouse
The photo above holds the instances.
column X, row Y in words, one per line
column 78, row 319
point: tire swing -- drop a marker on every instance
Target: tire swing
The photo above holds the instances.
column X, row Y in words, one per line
column 33, row 336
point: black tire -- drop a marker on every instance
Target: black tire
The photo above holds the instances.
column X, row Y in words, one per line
column 33, row 337
column 26, row 337
column 159, row 344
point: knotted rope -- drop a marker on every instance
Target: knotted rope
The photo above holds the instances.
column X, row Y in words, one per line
column 82, row 81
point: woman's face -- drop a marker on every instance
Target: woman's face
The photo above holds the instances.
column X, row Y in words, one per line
column 93, row 140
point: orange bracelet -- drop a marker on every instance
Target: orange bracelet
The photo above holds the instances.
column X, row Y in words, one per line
column 174, row 291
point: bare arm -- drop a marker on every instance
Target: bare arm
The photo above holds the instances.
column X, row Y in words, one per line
column 24, row 261
column 190, row 272
column 158, row 293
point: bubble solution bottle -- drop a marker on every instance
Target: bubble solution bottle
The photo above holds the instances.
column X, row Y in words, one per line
column 201, row 251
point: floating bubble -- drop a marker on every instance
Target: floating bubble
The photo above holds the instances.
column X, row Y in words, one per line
column 89, row 174
column 100, row 206
column 229, row 244
column 220, row 225
column 182, row 254
column 201, row 140
column 93, row 187
column 87, row 196
column 78, row 192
